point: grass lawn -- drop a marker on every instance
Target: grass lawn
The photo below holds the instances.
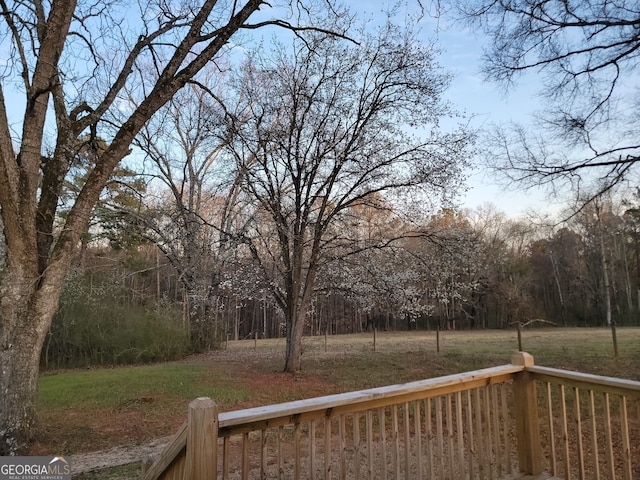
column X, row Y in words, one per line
column 93, row 409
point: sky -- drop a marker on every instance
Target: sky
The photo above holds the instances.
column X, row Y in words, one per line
column 488, row 104
column 485, row 102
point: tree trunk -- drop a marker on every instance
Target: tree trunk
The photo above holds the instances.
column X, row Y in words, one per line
column 556, row 276
column 627, row 275
column 18, row 382
column 607, row 294
column 26, row 313
column 295, row 328
column 607, row 287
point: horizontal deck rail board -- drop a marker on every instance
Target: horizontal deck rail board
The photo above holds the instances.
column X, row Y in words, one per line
column 257, row 418
column 586, row 381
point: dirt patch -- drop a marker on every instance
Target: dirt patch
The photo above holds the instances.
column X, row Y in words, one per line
column 116, row 456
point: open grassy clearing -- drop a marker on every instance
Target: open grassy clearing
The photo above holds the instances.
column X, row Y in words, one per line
column 350, row 362
column 86, row 410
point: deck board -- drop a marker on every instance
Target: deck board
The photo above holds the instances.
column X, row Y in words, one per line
column 520, row 476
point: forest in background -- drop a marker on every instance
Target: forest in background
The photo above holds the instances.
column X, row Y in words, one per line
column 125, row 302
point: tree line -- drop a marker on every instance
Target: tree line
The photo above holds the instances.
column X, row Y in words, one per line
column 469, row 269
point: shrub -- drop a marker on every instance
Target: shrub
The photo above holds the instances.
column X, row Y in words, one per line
column 94, row 326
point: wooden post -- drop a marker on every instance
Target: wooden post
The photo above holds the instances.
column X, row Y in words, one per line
column 202, row 440
column 520, row 336
column 438, row 338
column 375, row 331
column 526, row 413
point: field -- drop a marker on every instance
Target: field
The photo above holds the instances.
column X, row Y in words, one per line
column 95, row 409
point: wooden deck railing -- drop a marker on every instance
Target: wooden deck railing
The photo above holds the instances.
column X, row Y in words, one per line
column 590, row 424
column 477, row 425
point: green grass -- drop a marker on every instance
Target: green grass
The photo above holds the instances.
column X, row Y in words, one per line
column 113, row 388
column 349, row 362
column 400, row 356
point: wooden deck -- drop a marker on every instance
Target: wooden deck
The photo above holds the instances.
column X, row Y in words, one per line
column 484, row 425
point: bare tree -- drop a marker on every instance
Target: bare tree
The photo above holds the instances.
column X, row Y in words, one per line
column 586, row 55
column 328, row 133
column 197, row 194
column 88, row 62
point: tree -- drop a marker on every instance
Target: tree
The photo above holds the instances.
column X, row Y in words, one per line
column 504, row 280
column 586, row 53
column 123, row 190
column 327, row 132
column 632, row 231
column 195, row 207
column 598, row 220
column 90, row 63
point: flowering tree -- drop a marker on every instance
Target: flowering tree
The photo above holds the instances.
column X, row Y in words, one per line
column 326, row 134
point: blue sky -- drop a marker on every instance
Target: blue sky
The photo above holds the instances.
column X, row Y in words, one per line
column 489, row 104
column 485, row 102
column 461, row 55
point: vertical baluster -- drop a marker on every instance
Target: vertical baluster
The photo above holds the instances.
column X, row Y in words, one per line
column 471, row 449
column 552, row 435
column 594, row 436
column 428, row 436
column 327, row 448
column 439, row 438
column 449, row 430
column 396, row 447
column 607, row 431
column 280, row 455
column 459, row 427
column 578, row 419
column 493, row 389
column 312, row 450
column 506, row 427
column 565, row 434
column 407, row 440
column 263, row 454
column 489, row 434
column 418, row 436
column 297, row 448
column 624, row 431
column 245, row 456
column 369, row 420
column 343, row 447
column 356, row 445
column 449, row 420
column 226, row 455
column 482, row 470
column 382, row 441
